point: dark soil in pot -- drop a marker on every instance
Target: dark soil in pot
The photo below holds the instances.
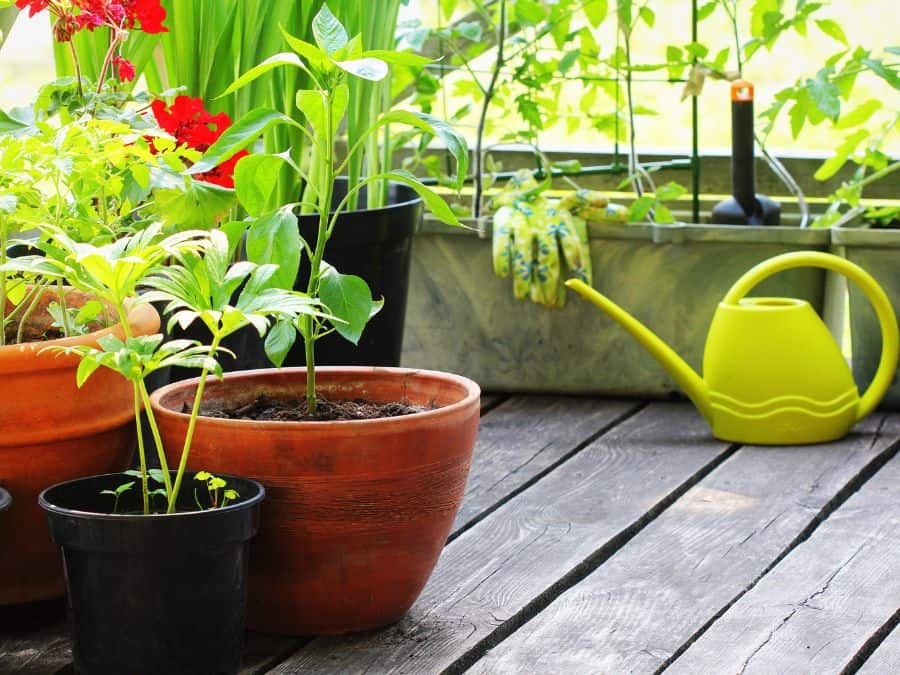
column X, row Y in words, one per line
column 271, row 409
column 157, row 593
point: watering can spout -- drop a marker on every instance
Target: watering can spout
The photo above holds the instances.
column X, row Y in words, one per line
column 686, row 377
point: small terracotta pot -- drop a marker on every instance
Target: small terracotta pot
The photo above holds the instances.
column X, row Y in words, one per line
column 50, row 432
column 357, row 512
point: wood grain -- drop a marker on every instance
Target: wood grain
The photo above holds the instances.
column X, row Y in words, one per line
column 525, row 436
column 643, row 604
column 510, row 564
column 39, row 652
column 817, row 608
column 886, row 658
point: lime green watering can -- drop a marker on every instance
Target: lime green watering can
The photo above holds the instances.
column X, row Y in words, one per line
column 773, row 374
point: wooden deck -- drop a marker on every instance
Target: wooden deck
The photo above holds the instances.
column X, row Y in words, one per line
column 604, row 536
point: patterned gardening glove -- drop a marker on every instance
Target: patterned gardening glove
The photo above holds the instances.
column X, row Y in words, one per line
column 532, row 238
column 593, row 206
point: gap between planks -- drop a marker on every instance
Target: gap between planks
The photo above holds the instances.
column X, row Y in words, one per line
column 511, row 565
column 697, row 559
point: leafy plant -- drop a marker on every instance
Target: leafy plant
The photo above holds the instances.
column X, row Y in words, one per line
column 330, row 65
column 244, row 36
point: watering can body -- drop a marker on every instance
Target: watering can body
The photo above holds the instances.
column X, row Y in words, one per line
column 772, row 372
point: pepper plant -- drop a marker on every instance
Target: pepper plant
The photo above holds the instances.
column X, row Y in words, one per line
column 272, row 237
column 192, row 273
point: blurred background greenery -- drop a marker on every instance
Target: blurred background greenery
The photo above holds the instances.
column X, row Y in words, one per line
column 26, row 61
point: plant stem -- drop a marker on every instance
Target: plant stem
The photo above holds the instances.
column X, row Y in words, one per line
column 32, row 305
column 145, row 490
column 488, row 97
column 67, row 329
column 77, row 65
column 3, row 241
column 326, row 189
column 878, row 175
column 157, row 439
column 192, row 424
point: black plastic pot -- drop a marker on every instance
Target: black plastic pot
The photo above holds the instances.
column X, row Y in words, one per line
column 375, row 244
column 156, row 593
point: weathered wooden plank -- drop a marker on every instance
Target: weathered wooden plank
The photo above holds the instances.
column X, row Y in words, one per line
column 524, row 437
column 262, row 651
column 885, row 660
column 498, row 573
column 36, row 652
column 816, row 610
column 644, row 603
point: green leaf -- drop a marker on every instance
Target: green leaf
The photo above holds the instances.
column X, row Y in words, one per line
column 859, row 115
column 275, row 239
column 832, row 29
column 842, row 153
column 283, row 59
column 825, row 94
column 648, row 16
column 399, row 58
column 707, row 9
column 371, row 69
column 312, row 105
column 239, row 136
column 313, row 55
column 433, row 202
column 529, row 12
column 455, row 143
column 595, row 11
column 888, row 74
column 194, row 206
column 11, row 124
column 329, row 33
column 86, row 368
column 348, row 298
column 255, row 181
column 662, row 214
column 641, row 207
column 670, row 191
column 279, row 341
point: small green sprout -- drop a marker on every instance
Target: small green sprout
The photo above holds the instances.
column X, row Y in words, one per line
column 216, row 487
column 118, row 492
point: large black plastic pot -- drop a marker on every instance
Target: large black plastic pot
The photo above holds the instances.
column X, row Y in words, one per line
column 375, row 244
column 155, row 593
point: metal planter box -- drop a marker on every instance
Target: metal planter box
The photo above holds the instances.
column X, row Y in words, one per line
column 463, row 319
column 878, row 252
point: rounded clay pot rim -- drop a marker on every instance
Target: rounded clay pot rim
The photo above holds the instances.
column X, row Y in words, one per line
column 5, row 500
column 472, row 389
column 143, row 318
column 140, row 517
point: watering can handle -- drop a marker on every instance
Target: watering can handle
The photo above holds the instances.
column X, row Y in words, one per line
column 890, row 335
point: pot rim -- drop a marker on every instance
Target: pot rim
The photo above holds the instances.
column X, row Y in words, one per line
column 472, row 396
column 50, row 507
column 5, row 500
column 143, row 318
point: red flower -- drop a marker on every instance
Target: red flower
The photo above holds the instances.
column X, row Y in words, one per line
column 125, row 68
column 198, row 129
column 149, row 13
column 34, row 6
column 116, row 14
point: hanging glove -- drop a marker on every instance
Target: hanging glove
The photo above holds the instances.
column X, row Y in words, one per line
column 592, row 205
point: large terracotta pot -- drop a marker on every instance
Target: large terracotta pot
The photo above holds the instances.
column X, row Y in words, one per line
column 357, row 512
column 50, row 432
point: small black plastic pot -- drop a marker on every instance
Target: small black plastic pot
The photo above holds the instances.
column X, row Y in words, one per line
column 153, row 593
column 375, row 244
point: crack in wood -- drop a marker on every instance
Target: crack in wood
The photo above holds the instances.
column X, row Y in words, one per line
column 605, row 429
column 851, row 487
column 542, row 600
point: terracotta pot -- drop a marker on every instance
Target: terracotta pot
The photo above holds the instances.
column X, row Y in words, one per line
column 357, row 512
column 50, row 432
